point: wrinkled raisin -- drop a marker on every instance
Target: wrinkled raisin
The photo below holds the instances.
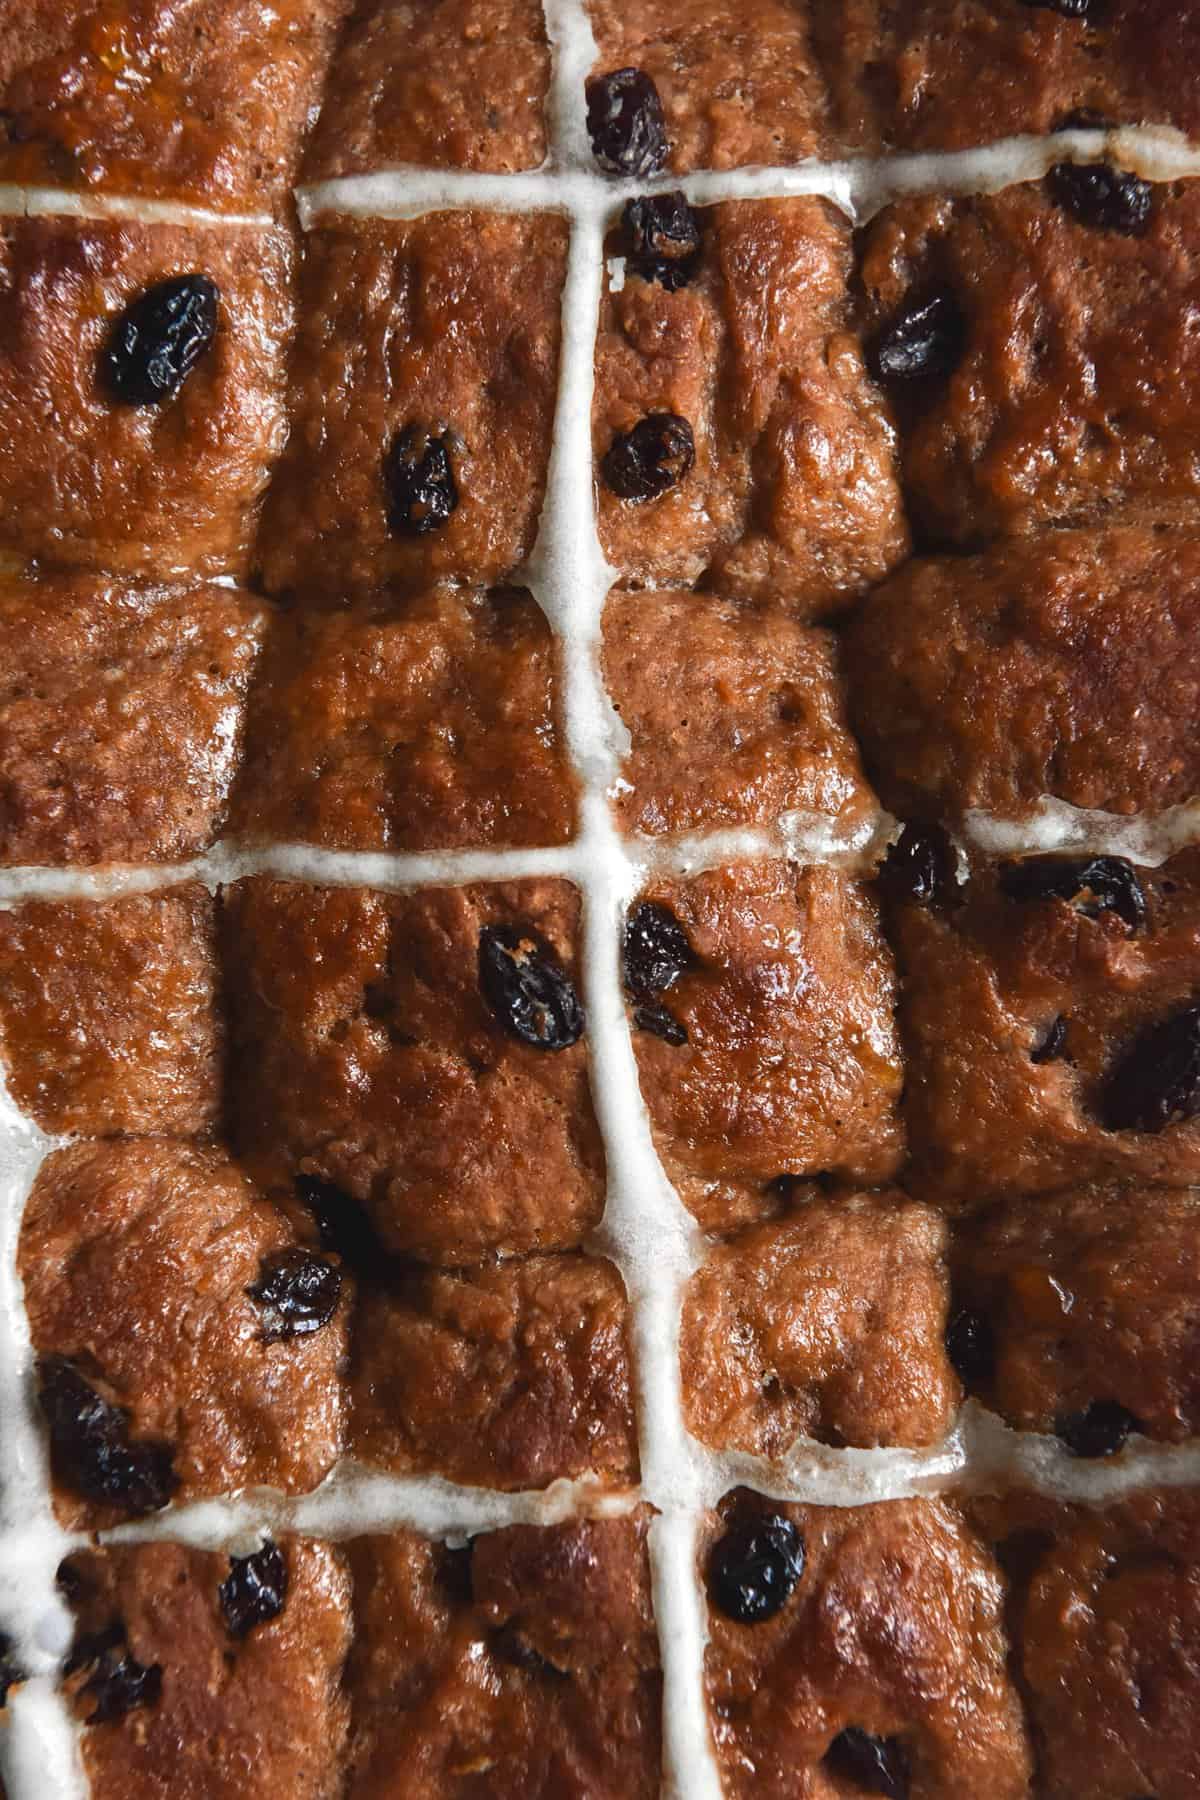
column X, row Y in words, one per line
column 625, row 123
column 342, row 1224
column 419, row 481
column 662, row 239
column 1100, row 1430
column 651, row 459
column 1095, row 884
column 90, row 1646
column 508, row 1645
column 1099, row 196
column 159, row 339
column 298, row 1291
column 878, row 1765
column 10, row 1669
column 924, row 341
column 91, row 1451
column 1070, row 9
column 656, row 953
column 1084, row 118
column 660, row 1021
column 1053, row 1045
column 921, row 866
column 455, row 1575
column 656, row 949
column 1156, row 1082
column 971, row 1347
column 527, row 988
column 754, row 1568
column 118, row 1684
column 254, row 1590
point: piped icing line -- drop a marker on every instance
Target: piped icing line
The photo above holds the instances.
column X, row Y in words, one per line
column 855, row 844
column 39, row 1753
column 228, row 862
column 858, row 185
column 21, row 201
column 1056, row 825
column 354, row 1500
column 645, row 1229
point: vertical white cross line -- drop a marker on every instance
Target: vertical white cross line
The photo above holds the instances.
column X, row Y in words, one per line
column 645, row 1229
column 39, row 1750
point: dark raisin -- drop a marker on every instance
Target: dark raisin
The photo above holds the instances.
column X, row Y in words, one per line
column 1100, row 1430
column 654, row 1017
column 656, row 950
column 1094, row 884
column 419, row 482
column 254, row 1590
column 90, row 1646
column 921, row 866
column 298, row 1290
column 1053, row 1044
column 877, row 1765
column 925, row 341
column 91, row 1451
column 971, row 1347
column 1156, row 1082
column 662, row 239
column 753, row 1569
column 159, row 339
column 508, row 1645
column 343, row 1224
column 527, row 988
column 455, row 1574
column 1070, row 9
column 118, row 1683
column 69, row 1580
column 625, row 123
column 1084, row 118
column 651, row 459
column 11, row 1672
column 788, row 1187
column 1099, row 196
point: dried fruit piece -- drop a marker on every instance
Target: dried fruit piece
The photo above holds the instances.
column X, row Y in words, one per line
column 119, row 1683
column 1100, row 1430
column 754, row 1568
column 656, row 949
column 662, row 239
column 877, row 1765
column 1082, row 118
column 1070, row 9
column 1053, row 1044
column 255, row 1589
column 1156, row 1082
column 508, row 1646
column 1101, row 197
column 625, row 123
column 921, row 866
column 11, row 1672
column 90, row 1448
column 654, row 1017
column 299, row 1291
column 342, row 1225
column 419, row 481
column 656, row 953
column 1094, row 884
column 651, row 459
column 924, row 341
column 971, row 1347
column 159, row 339
column 527, row 987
